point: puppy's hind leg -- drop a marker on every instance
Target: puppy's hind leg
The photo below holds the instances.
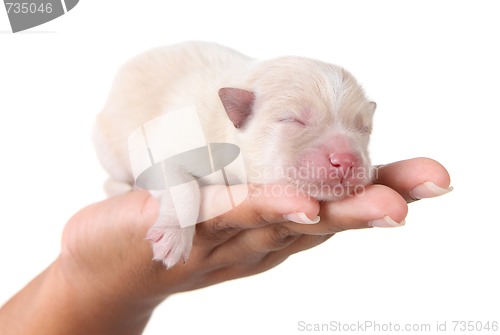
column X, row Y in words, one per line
column 173, row 232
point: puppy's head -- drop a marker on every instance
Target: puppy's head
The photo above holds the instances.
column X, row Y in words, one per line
column 303, row 122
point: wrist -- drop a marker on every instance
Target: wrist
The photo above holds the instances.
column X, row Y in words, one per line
column 117, row 301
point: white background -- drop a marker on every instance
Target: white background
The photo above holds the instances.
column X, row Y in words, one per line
column 431, row 66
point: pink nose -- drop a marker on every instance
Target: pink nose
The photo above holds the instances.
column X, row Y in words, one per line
column 343, row 161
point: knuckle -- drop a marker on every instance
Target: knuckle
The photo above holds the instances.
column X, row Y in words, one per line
column 280, row 236
column 216, row 229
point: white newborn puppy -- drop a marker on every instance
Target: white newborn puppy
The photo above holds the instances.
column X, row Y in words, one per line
column 296, row 120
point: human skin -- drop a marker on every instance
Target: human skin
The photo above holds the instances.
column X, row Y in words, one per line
column 104, row 281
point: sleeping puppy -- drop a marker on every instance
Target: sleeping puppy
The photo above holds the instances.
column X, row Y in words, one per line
column 297, row 121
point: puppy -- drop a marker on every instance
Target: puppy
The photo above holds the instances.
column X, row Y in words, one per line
column 297, row 121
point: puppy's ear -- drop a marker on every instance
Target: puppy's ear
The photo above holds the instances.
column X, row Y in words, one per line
column 373, row 106
column 238, row 104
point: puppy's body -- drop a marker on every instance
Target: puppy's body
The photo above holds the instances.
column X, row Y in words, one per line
column 296, row 120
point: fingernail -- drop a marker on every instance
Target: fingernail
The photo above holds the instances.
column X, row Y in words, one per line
column 428, row 190
column 386, row 222
column 301, row 218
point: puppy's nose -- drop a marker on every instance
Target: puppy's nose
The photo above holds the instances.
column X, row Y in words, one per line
column 343, row 161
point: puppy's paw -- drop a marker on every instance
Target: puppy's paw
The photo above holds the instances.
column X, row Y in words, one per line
column 171, row 241
column 171, row 244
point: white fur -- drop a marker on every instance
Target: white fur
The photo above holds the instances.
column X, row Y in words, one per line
column 287, row 88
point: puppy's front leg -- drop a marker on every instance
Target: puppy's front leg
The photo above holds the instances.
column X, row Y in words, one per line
column 173, row 232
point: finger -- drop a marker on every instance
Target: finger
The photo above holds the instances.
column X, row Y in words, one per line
column 238, row 269
column 252, row 245
column 361, row 211
column 415, row 178
column 365, row 210
column 264, row 205
column 304, row 242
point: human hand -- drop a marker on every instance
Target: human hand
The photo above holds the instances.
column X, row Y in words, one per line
column 104, row 280
column 104, row 243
